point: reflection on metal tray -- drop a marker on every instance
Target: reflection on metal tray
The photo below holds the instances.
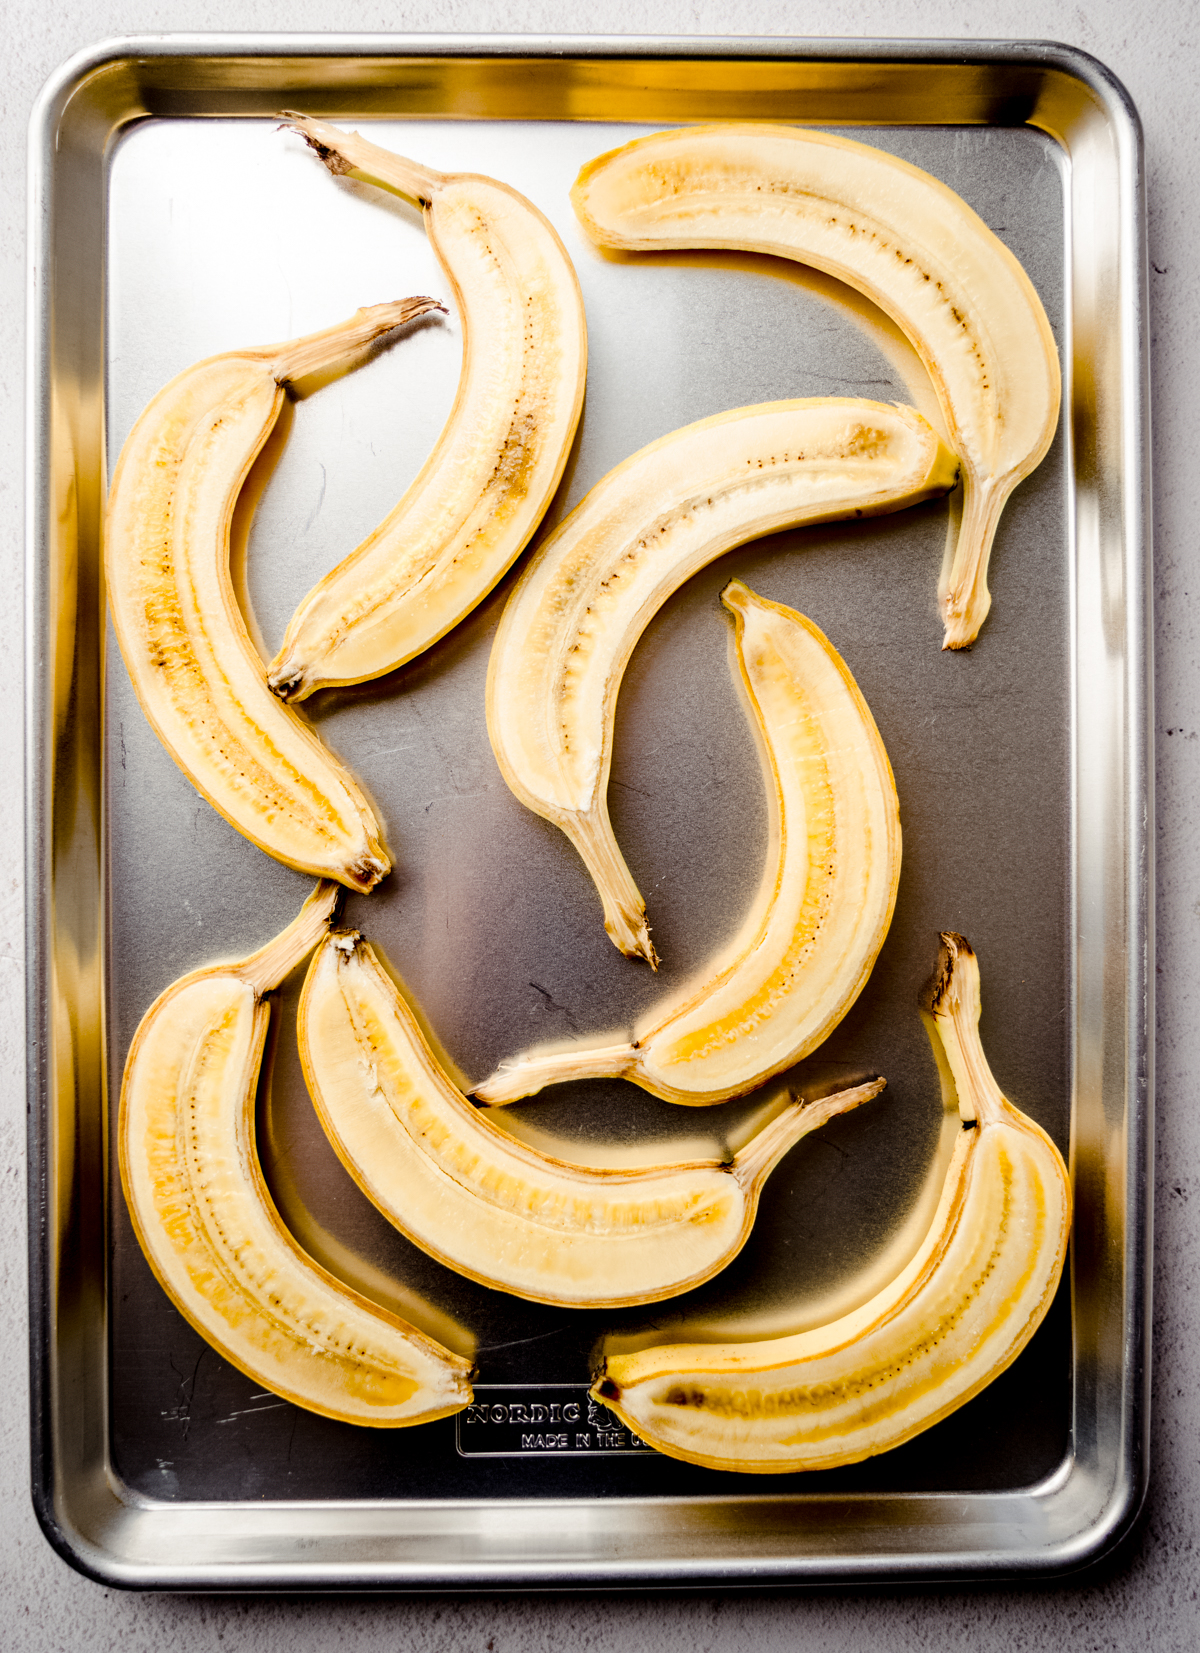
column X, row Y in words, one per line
column 172, row 219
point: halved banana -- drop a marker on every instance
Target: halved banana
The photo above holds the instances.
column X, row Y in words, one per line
column 207, row 1224
column 196, row 672
column 591, row 589
column 954, row 1319
column 487, row 1205
column 486, row 485
column 824, row 904
column 896, row 234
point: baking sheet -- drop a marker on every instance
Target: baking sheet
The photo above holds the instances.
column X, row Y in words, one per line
column 222, row 232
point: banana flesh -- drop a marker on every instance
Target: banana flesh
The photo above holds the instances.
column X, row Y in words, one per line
column 954, row 1319
column 208, row 1227
column 824, row 904
column 484, row 489
column 487, row 1205
column 195, row 670
column 896, row 234
column 591, row 589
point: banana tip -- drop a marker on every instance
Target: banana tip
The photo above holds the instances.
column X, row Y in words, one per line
column 333, row 159
column 953, row 947
column 639, row 947
column 481, row 1096
column 734, row 596
column 366, row 872
column 963, row 618
column 288, row 685
column 838, row 1084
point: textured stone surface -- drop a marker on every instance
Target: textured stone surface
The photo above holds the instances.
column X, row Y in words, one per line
column 1147, row 1597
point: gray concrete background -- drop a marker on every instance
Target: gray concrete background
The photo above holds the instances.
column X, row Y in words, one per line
column 1146, row 1596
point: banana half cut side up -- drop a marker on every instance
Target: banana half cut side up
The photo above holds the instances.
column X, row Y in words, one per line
column 487, row 1205
column 824, row 904
column 592, row 588
column 196, row 672
column 486, row 485
column 912, row 246
column 954, row 1319
column 208, row 1227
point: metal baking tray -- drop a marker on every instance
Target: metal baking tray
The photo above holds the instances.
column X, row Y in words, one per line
column 172, row 219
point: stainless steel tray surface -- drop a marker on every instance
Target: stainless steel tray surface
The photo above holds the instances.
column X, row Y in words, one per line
column 183, row 222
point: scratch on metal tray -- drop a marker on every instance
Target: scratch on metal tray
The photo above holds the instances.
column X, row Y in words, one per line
column 553, row 1004
column 316, row 511
column 181, row 1412
column 246, row 1410
column 489, row 1348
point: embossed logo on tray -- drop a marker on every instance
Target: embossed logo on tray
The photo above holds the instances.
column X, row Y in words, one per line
column 521, row 1420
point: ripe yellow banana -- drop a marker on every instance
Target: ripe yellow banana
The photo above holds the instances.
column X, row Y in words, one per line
column 208, row 1227
column 896, row 234
column 824, row 904
column 589, row 592
column 495, row 468
column 185, row 643
column 487, row 1205
column 954, row 1319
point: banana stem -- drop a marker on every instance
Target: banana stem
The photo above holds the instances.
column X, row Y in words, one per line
column 336, row 344
column 536, row 1072
column 755, row 1162
column 264, row 970
column 954, row 1005
column 346, row 154
column 963, row 595
column 624, row 909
